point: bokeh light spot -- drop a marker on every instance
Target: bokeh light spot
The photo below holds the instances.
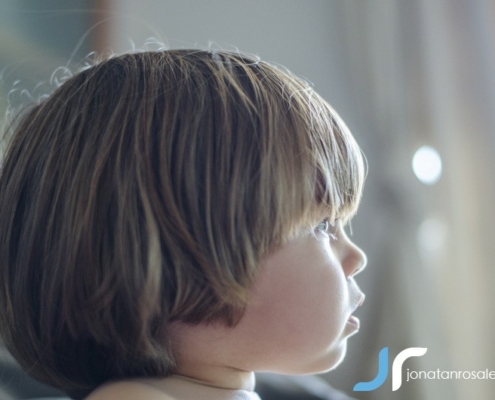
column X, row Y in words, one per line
column 427, row 165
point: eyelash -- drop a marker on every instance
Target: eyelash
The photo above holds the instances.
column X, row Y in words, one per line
column 324, row 226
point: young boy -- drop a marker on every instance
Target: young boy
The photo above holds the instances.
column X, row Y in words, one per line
column 171, row 222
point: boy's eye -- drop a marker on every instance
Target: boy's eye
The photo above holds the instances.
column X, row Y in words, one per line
column 328, row 228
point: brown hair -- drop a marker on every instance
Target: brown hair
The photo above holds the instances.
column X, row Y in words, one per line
column 144, row 190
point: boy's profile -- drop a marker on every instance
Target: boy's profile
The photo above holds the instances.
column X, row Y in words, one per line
column 171, row 222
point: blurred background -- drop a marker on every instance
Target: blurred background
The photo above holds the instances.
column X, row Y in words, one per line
column 415, row 82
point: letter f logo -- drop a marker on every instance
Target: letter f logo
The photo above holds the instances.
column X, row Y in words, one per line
column 399, row 360
column 396, row 369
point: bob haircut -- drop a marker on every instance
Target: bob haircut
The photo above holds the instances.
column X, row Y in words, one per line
column 144, row 190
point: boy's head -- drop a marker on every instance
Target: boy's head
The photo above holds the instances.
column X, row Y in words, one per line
column 146, row 190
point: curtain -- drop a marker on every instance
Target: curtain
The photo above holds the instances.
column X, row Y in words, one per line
column 423, row 73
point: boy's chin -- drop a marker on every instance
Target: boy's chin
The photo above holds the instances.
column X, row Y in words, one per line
column 325, row 363
column 333, row 359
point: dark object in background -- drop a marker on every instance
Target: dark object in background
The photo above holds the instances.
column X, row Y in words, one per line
column 16, row 385
column 307, row 387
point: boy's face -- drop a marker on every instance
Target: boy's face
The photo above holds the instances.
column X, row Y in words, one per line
column 297, row 320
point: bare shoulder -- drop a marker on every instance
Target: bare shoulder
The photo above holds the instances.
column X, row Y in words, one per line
column 127, row 390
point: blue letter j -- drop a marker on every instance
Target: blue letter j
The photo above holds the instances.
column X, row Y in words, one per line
column 380, row 377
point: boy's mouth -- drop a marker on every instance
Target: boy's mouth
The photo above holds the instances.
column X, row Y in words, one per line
column 354, row 321
column 362, row 297
column 360, row 300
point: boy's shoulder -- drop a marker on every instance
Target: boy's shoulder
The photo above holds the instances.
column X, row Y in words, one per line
column 128, row 390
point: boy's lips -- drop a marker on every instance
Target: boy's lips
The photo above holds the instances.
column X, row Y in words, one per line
column 352, row 319
column 361, row 299
column 359, row 302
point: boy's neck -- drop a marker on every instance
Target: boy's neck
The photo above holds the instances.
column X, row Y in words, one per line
column 213, row 384
column 218, row 377
column 204, row 356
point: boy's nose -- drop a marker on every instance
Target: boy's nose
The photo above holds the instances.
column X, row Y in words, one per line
column 355, row 260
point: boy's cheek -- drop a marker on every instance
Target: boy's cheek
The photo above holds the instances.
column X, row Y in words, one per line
column 299, row 288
